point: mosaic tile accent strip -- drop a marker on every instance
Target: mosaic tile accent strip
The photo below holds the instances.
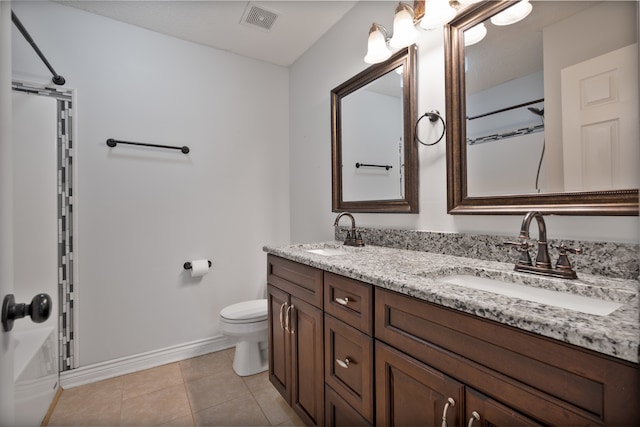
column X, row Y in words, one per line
column 617, row 260
column 65, row 215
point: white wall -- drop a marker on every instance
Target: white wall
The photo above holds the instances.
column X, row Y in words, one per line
column 336, row 58
column 491, row 169
column 141, row 213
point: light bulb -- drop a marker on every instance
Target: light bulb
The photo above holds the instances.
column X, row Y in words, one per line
column 377, row 50
column 404, row 30
column 436, row 14
column 475, row 34
column 513, row 14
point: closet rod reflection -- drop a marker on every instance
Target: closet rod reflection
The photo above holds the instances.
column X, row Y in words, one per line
column 502, row 110
column 113, row 142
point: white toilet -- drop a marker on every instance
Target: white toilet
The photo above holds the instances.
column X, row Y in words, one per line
column 247, row 322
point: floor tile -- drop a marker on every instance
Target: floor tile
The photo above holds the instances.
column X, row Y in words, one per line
column 203, row 390
column 214, row 389
column 237, row 412
column 156, row 408
column 207, row 364
column 274, row 406
column 151, row 380
column 96, row 404
column 257, row 381
column 186, row 421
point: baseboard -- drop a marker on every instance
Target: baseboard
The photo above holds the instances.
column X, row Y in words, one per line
column 138, row 362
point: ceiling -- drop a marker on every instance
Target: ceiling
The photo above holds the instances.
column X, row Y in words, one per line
column 516, row 50
column 296, row 24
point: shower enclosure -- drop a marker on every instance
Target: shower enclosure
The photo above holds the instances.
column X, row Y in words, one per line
column 42, row 249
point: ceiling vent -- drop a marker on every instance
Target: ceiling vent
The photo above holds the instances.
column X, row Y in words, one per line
column 258, row 17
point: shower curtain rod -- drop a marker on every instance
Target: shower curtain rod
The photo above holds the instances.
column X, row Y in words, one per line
column 57, row 78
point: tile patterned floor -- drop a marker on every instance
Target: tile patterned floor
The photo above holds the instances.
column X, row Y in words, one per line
column 203, row 391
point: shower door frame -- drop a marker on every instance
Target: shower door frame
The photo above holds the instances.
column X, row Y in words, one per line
column 66, row 172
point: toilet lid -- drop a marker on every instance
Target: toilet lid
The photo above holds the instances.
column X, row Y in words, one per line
column 254, row 310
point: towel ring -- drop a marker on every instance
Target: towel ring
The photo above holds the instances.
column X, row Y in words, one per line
column 433, row 115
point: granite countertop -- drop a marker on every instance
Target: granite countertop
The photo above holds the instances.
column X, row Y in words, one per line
column 419, row 274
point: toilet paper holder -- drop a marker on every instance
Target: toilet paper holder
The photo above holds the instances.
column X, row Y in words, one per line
column 187, row 265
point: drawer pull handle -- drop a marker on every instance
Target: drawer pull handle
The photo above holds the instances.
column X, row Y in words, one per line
column 450, row 402
column 474, row 417
column 288, row 323
column 282, row 315
column 342, row 301
column 343, row 363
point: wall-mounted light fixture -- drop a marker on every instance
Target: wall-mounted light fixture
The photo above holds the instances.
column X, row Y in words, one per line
column 430, row 15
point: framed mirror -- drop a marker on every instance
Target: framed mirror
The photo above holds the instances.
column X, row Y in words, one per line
column 374, row 156
column 543, row 114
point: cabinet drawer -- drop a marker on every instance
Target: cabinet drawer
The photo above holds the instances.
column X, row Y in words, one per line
column 297, row 279
column 350, row 301
column 339, row 413
column 349, row 365
column 535, row 375
column 482, row 410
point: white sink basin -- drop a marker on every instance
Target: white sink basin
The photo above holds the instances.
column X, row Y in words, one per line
column 328, row 251
column 545, row 296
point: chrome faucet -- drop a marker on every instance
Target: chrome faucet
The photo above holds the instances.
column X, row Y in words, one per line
column 543, row 263
column 354, row 238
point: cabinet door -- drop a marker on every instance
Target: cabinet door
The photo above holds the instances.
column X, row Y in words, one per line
column 307, row 355
column 349, row 364
column 410, row 393
column 339, row 413
column 279, row 342
column 483, row 411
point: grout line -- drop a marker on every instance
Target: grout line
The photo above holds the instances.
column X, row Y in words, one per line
column 184, row 383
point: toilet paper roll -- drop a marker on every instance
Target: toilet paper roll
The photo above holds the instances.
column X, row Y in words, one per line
column 199, row 267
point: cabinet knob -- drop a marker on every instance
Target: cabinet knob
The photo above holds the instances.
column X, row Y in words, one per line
column 343, row 363
column 342, row 301
column 474, row 417
column 450, row 402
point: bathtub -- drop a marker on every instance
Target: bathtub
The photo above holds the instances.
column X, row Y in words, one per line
column 35, row 374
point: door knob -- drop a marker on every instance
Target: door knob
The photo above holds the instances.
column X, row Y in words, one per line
column 39, row 310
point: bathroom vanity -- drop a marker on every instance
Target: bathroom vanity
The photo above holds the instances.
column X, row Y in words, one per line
column 381, row 336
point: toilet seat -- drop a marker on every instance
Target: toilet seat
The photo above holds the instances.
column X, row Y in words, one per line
column 246, row 312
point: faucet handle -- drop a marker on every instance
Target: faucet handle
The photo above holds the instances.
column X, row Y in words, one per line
column 346, row 230
column 564, row 249
column 523, row 246
column 358, row 237
column 520, row 245
column 563, row 264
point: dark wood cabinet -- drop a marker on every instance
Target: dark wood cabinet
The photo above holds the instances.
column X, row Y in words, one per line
column 410, row 393
column 349, row 365
column 533, row 377
column 296, row 338
column 348, row 324
column 482, row 411
column 307, row 394
column 339, row 413
column 279, row 342
column 345, row 353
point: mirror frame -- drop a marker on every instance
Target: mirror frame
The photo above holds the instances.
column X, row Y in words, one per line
column 614, row 202
column 407, row 58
